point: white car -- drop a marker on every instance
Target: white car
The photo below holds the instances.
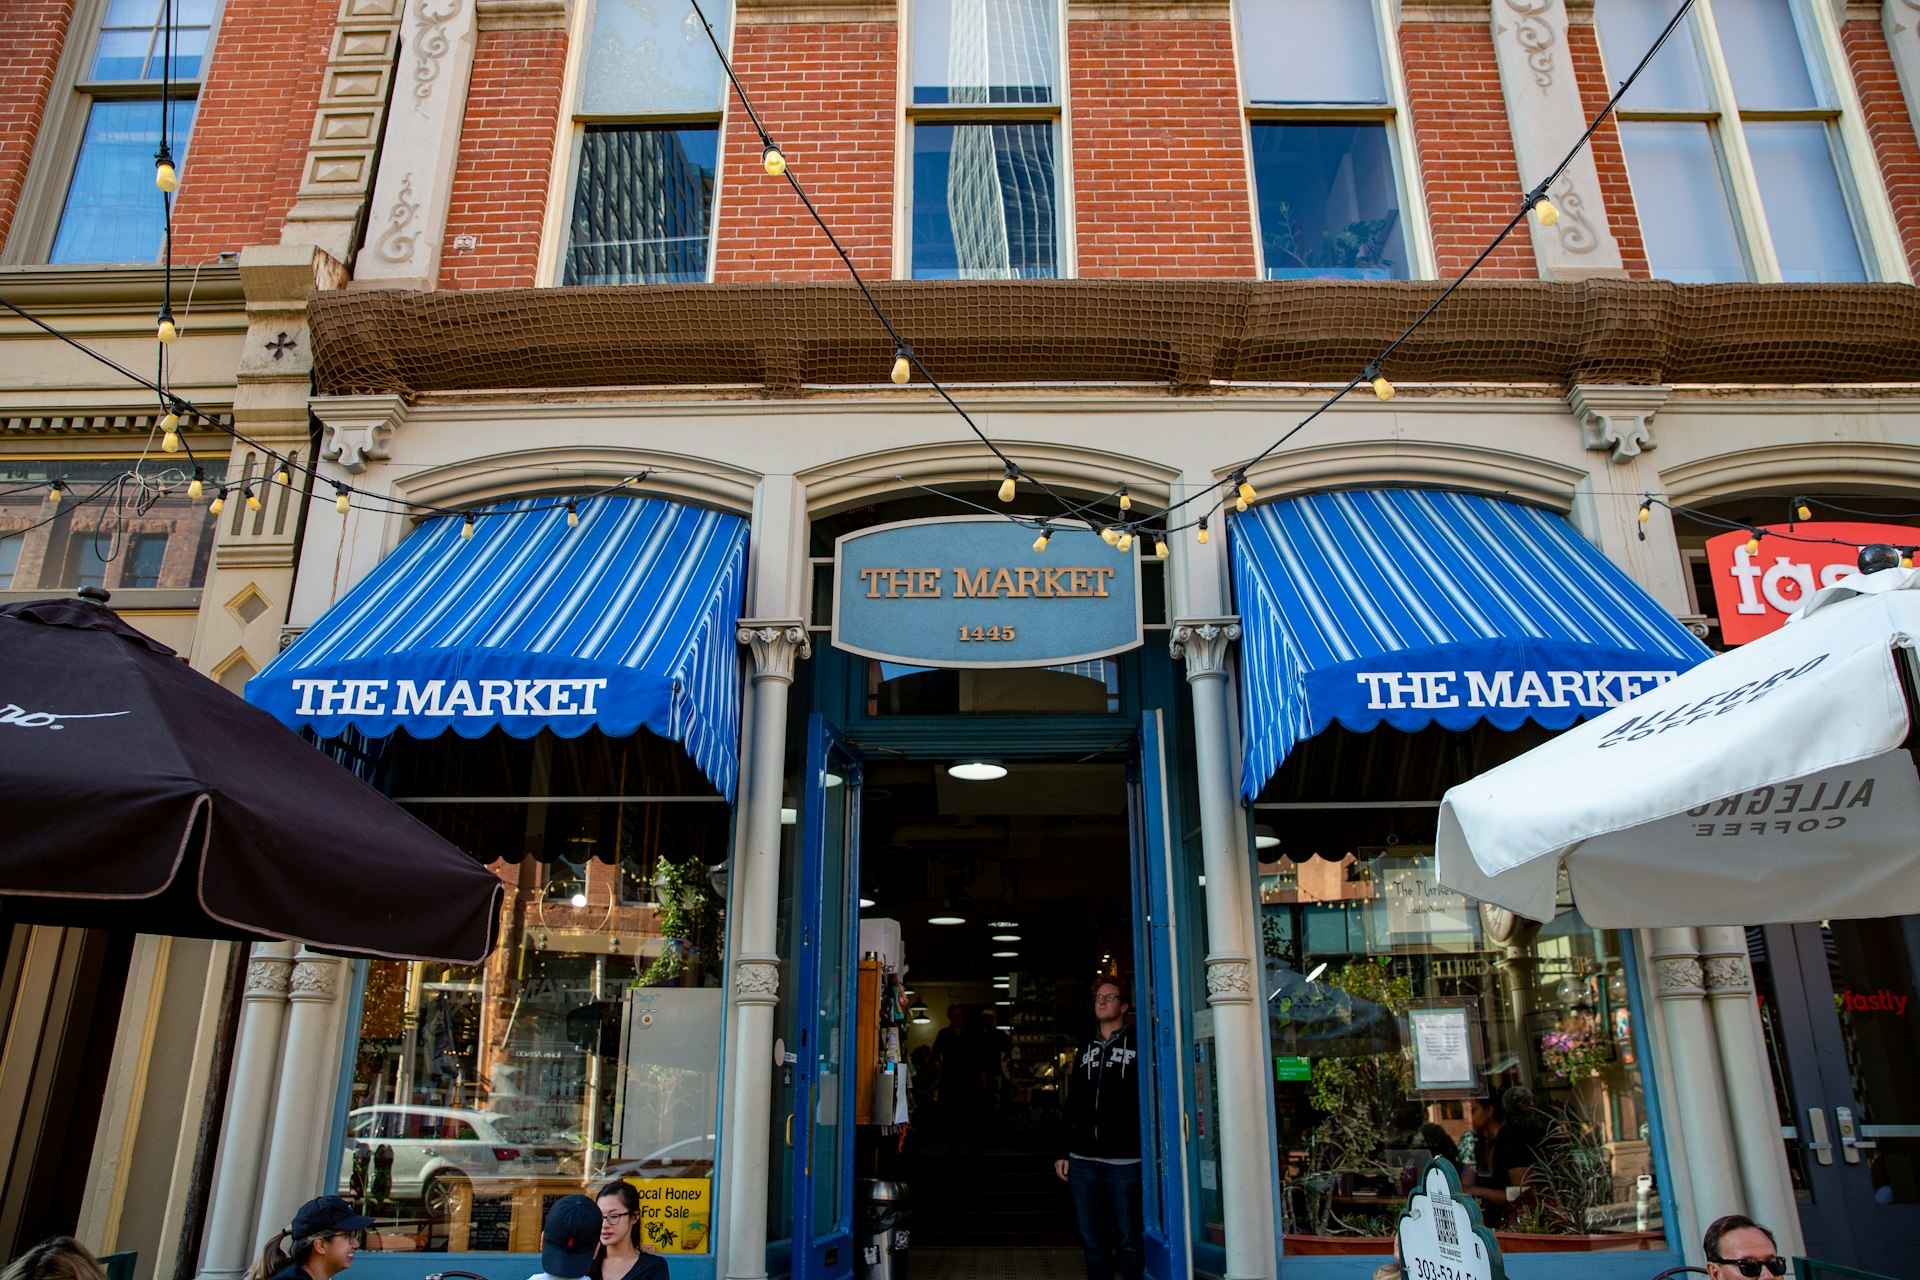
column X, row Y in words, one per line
column 440, row 1152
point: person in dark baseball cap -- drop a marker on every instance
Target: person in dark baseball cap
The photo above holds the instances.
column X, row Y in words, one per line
column 569, row 1238
column 317, row 1245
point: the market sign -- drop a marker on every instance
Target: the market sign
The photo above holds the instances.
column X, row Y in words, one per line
column 971, row 591
column 1440, row 1236
column 1754, row 593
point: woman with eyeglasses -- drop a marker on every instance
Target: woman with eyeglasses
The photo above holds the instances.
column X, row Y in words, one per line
column 1739, row 1246
column 317, row 1245
column 620, row 1256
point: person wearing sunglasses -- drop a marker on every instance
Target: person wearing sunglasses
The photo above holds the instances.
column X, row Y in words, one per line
column 1738, row 1246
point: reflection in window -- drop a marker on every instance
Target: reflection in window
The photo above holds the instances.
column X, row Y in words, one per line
column 112, row 212
column 1078, row 688
column 973, row 51
column 9, row 558
column 983, row 202
column 652, row 57
column 640, row 206
column 1328, row 204
column 92, row 543
column 1687, row 225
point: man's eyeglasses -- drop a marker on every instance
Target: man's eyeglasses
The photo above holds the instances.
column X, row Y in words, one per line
column 1752, row 1267
column 1106, row 999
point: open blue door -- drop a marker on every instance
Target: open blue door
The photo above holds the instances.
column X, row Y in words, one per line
column 1157, row 1017
column 821, row 1132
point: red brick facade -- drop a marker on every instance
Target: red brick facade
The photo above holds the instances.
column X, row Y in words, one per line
column 1145, row 90
column 1891, row 128
column 30, row 31
column 1583, row 51
column 506, row 160
column 826, row 93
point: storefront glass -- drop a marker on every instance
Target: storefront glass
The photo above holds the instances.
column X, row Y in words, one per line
column 587, row 1048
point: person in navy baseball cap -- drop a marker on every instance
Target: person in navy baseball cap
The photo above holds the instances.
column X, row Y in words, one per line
column 317, row 1245
column 569, row 1239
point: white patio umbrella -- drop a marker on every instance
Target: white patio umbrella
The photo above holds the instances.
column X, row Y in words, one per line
column 1765, row 785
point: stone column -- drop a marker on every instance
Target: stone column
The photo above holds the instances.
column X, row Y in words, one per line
column 755, row 900
column 1698, row 1116
column 309, row 1071
column 1547, row 117
column 1743, row 1063
column 1246, row 1166
column 230, row 1239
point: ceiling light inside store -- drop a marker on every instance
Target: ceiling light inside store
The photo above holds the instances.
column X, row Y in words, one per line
column 922, row 1020
column 1003, row 1002
column 1005, row 955
column 865, row 903
column 788, row 816
column 977, row 771
column 1006, row 937
column 1263, row 838
column 1003, row 982
column 946, row 919
column 578, row 899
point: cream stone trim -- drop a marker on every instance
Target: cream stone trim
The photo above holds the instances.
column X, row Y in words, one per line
column 850, row 481
column 572, row 468
column 767, row 13
column 1474, row 11
column 1420, row 463
column 522, row 15
column 1149, row 11
column 1816, row 465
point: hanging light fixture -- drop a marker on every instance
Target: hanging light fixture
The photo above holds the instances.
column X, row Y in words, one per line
column 977, row 770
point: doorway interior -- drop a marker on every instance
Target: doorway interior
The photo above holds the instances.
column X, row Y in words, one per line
column 1012, row 893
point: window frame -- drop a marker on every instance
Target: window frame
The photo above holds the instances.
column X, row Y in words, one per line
column 913, row 114
column 1882, row 256
column 63, row 126
column 571, row 141
column 1402, row 148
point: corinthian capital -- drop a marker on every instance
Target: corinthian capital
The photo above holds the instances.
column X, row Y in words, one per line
column 777, row 644
column 1203, row 644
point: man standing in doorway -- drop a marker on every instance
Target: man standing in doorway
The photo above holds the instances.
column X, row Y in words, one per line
column 1103, row 1139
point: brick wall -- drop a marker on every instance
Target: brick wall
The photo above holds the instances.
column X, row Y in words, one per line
column 506, row 159
column 1583, row 51
column 1471, row 179
column 30, row 32
column 826, row 93
column 1144, row 94
column 250, row 130
column 1890, row 126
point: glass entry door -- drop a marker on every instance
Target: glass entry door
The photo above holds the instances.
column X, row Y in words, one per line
column 1157, row 1017
column 820, row 1127
column 1838, row 1005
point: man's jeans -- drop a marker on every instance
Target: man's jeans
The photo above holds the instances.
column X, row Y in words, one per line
column 1106, row 1200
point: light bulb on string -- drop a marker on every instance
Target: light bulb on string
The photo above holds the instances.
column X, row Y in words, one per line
column 1381, row 387
column 253, row 499
column 1544, row 210
column 340, row 502
column 1125, row 543
column 902, row 367
column 1160, row 549
column 1007, row 483
column 198, row 485
column 466, row 526
column 1239, row 503
column 1753, row 541
column 1126, row 499
column 166, row 330
column 281, row 475
column 55, row 492
column 773, row 160
column 219, row 502
column 165, row 176
column 1040, row 543
column 1646, row 514
column 573, row 515
column 1110, row 535
column 1801, row 509
column 170, row 433
column 1241, row 487
column 1906, row 557
column 1200, row 534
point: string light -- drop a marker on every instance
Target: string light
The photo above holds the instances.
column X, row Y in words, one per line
column 1040, row 543
column 1125, row 543
column 466, row 526
column 170, row 433
column 773, row 160
column 1200, row 535
column 198, row 485
column 1243, row 488
column 219, row 502
column 1381, row 387
column 902, row 366
column 1160, row 548
column 1544, row 210
column 573, row 515
column 1753, row 543
column 1126, row 499
column 1006, row 483
column 253, row 499
column 340, row 502
column 1801, row 509
column 165, row 176
column 280, row 473
column 1110, row 535
column 167, row 331
column 1646, row 514
column 55, row 492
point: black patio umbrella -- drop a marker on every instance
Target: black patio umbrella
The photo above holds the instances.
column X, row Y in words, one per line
column 137, row 794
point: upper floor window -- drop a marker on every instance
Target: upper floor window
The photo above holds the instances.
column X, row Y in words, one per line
column 646, row 145
column 1326, row 133
column 93, row 539
column 985, row 122
column 1734, row 143
column 103, row 141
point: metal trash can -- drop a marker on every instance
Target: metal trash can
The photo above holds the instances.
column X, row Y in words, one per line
column 883, row 1230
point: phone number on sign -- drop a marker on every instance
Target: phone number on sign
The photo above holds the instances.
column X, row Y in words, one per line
column 1428, row 1269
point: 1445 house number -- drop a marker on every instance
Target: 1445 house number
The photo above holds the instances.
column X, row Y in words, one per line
column 986, row 633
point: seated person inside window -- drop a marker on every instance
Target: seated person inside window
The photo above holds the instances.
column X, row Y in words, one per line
column 1503, row 1157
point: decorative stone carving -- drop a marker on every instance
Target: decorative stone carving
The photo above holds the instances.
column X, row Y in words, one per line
column 756, row 982
column 1536, row 37
column 1617, row 418
column 267, row 977
column 358, row 428
column 1203, row 643
column 1677, row 977
column 1229, row 981
column 1727, row 975
column 776, row 646
column 314, row 979
column 1577, row 235
column 430, row 46
column 396, row 243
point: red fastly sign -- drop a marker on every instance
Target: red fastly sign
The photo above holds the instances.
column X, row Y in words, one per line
column 1755, row 593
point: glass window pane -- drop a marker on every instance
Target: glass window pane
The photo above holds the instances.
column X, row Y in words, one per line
column 1329, row 206
column 1311, row 51
column 192, row 13
column 646, row 56
column 145, row 555
column 1763, row 54
column 121, row 55
column 1682, row 202
column 9, row 558
column 1807, row 214
column 983, row 51
column 133, row 13
column 1672, row 81
column 61, row 552
column 640, row 206
column 983, row 202
column 113, row 213
column 189, row 52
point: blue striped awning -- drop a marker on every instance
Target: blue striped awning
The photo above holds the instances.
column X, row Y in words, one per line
column 626, row 621
column 1411, row 607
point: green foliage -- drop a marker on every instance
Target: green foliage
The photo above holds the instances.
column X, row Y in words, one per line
column 1360, row 245
column 1573, row 1178
column 1357, row 1095
column 689, row 914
